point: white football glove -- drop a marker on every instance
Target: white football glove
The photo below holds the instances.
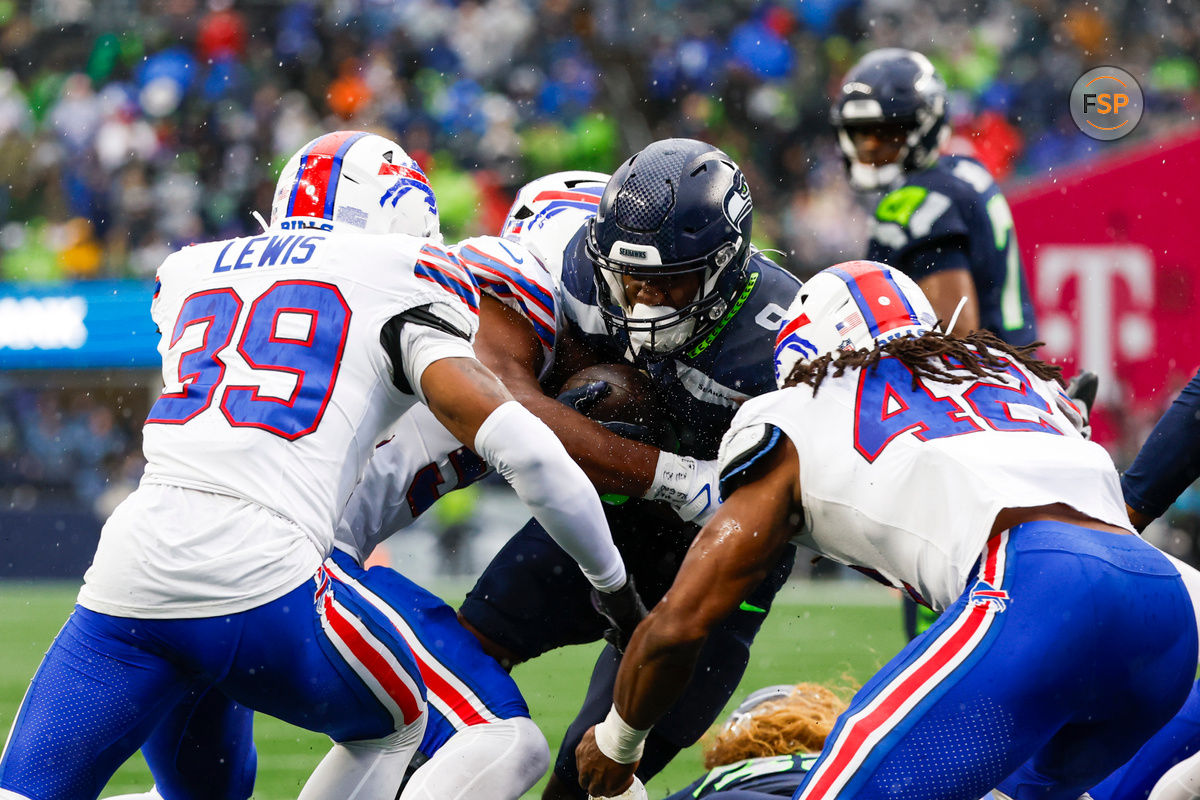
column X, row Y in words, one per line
column 688, row 485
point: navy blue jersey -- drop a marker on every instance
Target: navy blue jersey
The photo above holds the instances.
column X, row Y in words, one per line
column 773, row 775
column 941, row 213
column 703, row 387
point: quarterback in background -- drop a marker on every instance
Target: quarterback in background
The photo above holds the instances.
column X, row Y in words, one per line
column 950, row 467
column 286, row 356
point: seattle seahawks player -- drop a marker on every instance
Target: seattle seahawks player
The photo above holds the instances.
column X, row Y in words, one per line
column 942, row 220
column 664, row 278
column 949, row 467
column 210, row 576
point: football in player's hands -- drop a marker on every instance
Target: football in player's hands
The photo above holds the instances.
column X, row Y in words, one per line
column 626, row 402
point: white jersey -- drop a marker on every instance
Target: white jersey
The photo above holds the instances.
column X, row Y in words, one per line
column 277, row 389
column 420, row 460
column 511, row 273
column 906, row 484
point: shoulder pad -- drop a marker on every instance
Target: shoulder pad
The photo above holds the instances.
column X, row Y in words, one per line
column 741, row 450
column 512, row 274
column 443, row 269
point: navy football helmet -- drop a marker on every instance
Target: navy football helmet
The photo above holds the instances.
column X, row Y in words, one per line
column 897, row 90
column 678, row 207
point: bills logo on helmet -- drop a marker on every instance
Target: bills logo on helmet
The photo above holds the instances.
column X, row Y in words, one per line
column 409, row 178
column 792, row 348
column 737, row 201
column 556, row 201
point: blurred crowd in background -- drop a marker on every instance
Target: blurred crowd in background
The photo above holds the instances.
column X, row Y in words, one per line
column 131, row 127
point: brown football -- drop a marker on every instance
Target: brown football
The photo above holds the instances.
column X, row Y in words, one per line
column 631, row 397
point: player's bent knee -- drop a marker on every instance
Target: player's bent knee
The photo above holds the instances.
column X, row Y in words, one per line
column 530, row 747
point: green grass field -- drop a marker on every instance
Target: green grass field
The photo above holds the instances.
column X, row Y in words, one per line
column 805, row 638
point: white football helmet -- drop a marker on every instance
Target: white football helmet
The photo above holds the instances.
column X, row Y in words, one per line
column 357, row 179
column 548, row 211
column 847, row 307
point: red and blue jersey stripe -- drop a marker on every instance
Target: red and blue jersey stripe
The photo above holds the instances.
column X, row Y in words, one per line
column 320, row 169
column 505, row 280
column 883, row 305
column 442, row 268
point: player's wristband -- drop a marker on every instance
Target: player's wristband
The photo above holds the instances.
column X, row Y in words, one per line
column 673, row 478
column 618, row 741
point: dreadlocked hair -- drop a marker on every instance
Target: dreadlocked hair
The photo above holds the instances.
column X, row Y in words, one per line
column 797, row 723
column 934, row 356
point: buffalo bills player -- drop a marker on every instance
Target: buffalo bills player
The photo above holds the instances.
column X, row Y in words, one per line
column 949, row 467
column 479, row 742
column 210, row 576
column 664, row 278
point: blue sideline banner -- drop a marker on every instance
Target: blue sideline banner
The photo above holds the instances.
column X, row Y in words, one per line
column 82, row 325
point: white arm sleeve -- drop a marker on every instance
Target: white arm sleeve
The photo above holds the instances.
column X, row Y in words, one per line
column 555, row 489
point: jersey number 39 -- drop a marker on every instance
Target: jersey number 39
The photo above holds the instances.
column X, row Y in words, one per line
column 296, row 327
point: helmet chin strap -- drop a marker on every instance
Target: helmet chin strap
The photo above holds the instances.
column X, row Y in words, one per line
column 259, row 219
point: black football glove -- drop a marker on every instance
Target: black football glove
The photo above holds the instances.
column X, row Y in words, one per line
column 1082, row 390
column 623, row 609
column 584, row 398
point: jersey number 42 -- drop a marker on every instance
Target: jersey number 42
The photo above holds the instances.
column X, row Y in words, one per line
column 892, row 402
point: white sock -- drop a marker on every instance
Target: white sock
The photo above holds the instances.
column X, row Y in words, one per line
column 1180, row 782
column 150, row 795
column 365, row 770
column 498, row 761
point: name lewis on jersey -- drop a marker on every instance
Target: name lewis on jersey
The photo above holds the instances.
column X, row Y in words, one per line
column 267, row 251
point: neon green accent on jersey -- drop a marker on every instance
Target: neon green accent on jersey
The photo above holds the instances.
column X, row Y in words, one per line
column 720, row 777
column 749, row 607
column 1012, row 315
column 730, row 314
column 900, row 205
column 615, row 499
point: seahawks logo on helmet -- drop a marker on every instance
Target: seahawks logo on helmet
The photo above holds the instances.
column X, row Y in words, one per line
column 737, row 203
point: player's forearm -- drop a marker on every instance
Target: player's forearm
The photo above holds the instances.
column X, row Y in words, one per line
column 655, row 670
column 1169, row 461
column 611, row 462
column 557, row 492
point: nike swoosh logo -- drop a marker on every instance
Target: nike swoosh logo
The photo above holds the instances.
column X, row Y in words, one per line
column 749, row 607
column 516, row 259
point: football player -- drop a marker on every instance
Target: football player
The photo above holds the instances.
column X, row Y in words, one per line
column 664, row 278
column 211, row 574
column 941, row 219
column 949, row 467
